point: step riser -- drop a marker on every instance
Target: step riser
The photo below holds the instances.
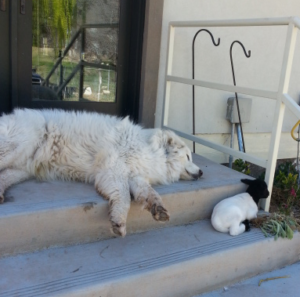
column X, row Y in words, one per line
column 176, row 261
column 88, row 222
column 201, row 274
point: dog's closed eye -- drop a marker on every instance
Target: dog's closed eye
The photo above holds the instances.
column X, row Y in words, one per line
column 188, row 157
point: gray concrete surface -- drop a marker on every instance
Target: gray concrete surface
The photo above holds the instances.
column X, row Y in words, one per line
column 40, row 215
column 169, row 262
column 289, row 286
column 176, row 261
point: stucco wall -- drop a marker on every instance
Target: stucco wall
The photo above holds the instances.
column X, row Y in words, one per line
column 261, row 70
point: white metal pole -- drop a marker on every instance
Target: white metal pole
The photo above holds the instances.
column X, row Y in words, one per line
column 280, row 108
column 170, row 50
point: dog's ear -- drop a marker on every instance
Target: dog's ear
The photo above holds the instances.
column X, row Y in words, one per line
column 158, row 139
column 164, row 139
column 247, row 181
column 170, row 141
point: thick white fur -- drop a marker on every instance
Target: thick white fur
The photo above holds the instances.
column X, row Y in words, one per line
column 230, row 212
column 120, row 158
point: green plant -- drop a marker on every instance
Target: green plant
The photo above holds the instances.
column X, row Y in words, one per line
column 283, row 171
column 241, row 166
column 286, row 186
column 279, row 225
column 290, row 191
column 286, row 168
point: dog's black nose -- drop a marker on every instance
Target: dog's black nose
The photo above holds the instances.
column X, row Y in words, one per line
column 200, row 172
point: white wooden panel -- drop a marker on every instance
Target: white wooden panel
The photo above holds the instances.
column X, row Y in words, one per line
column 291, row 104
column 227, row 150
column 257, row 145
column 170, row 51
column 238, row 23
column 227, row 88
column 280, row 108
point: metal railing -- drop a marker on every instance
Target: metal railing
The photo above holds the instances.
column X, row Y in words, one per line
column 81, row 32
column 281, row 95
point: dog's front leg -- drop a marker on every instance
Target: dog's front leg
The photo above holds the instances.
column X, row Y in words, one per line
column 142, row 192
column 115, row 188
column 9, row 177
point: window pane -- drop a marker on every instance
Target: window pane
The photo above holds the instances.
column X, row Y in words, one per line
column 74, row 50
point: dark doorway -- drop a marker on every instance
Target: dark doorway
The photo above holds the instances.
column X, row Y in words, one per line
column 75, row 54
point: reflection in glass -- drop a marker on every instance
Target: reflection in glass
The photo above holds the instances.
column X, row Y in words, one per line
column 74, row 50
column 70, row 92
column 100, row 84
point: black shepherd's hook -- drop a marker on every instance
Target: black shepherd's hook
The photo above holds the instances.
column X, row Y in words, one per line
column 233, row 76
column 193, row 66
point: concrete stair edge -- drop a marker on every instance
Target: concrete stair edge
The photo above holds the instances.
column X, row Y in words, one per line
column 203, row 267
column 72, row 222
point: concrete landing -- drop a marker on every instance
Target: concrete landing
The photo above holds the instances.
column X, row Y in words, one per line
column 39, row 215
column 279, row 282
column 176, row 261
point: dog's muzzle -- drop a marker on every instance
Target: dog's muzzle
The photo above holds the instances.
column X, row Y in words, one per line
column 196, row 176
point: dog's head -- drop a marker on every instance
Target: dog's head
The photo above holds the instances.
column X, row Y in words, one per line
column 179, row 158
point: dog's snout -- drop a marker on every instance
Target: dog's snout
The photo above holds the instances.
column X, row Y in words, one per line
column 197, row 175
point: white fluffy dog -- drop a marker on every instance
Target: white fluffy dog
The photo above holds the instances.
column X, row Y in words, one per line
column 120, row 158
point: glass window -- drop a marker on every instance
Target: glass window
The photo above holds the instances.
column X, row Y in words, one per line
column 74, row 50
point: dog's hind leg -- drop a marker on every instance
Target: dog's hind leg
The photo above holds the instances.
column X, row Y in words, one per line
column 142, row 192
column 7, row 153
column 8, row 177
column 115, row 188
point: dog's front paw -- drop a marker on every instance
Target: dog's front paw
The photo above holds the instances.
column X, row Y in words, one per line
column 159, row 213
column 118, row 228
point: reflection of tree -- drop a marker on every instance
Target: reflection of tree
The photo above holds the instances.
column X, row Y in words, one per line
column 57, row 20
column 62, row 20
column 52, row 19
column 98, row 11
column 101, row 44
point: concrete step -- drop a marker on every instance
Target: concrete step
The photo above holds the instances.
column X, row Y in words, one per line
column 276, row 283
column 39, row 215
column 179, row 261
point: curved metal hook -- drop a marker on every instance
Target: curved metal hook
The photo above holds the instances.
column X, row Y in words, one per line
column 233, row 77
column 193, row 71
column 211, row 36
column 248, row 56
column 194, row 39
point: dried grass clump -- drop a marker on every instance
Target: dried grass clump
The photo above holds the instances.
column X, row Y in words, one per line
column 277, row 225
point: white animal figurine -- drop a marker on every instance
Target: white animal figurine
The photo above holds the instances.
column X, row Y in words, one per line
column 233, row 214
column 121, row 159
